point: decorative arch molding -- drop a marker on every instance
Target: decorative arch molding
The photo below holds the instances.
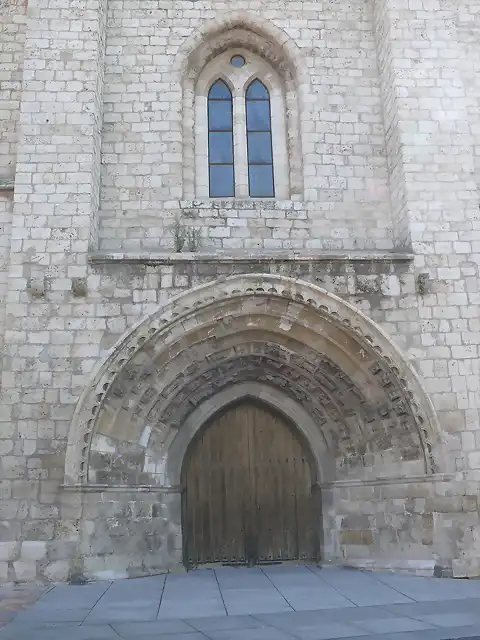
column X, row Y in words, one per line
column 291, row 305
column 198, row 48
column 245, row 31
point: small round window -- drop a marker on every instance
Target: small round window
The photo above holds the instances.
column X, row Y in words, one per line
column 237, row 61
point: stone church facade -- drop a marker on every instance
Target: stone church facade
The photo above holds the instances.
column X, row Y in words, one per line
column 206, row 203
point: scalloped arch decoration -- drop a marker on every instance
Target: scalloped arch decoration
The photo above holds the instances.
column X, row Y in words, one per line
column 208, row 299
column 213, row 29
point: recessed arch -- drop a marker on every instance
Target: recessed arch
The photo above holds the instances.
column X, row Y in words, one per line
column 237, row 80
column 287, row 305
column 316, row 358
column 233, row 31
column 191, row 57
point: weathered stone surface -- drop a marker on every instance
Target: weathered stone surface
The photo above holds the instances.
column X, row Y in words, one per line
column 356, row 538
column 9, row 551
column 104, row 166
column 33, row 550
column 25, row 571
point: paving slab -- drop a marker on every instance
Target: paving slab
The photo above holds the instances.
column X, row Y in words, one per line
column 457, row 619
column 51, row 614
column 318, row 597
column 227, row 622
column 468, row 605
column 326, row 631
column 158, row 628
column 429, row 589
column 300, row 619
column 191, row 608
column 150, row 589
column 73, row 596
column 100, row 632
column 245, row 601
column 118, row 613
column 194, row 635
column 392, row 625
column 434, row 634
column 261, row 633
column 283, row 602
column 361, row 588
column 17, row 598
column 191, row 595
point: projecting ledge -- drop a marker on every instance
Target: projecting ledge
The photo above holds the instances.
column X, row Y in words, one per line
column 136, row 488
column 232, row 257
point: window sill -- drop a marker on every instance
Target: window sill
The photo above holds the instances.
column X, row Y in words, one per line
column 243, row 203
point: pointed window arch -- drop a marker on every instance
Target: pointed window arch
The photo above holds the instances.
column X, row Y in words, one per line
column 240, row 129
column 259, row 141
column 220, row 141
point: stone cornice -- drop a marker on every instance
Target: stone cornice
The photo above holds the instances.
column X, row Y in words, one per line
column 354, row 482
column 232, row 257
column 123, row 488
column 393, row 480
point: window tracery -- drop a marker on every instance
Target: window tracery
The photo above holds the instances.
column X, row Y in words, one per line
column 240, row 129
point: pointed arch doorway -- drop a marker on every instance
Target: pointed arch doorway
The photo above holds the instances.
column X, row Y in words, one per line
column 249, row 492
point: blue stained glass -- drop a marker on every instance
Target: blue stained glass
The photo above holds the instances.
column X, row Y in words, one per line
column 221, row 181
column 237, row 61
column 219, row 91
column 260, row 178
column 257, row 91
column 259, row 148
column 220, row 141
column 220, row 115
column 220, row 145
column 259, row 141
column 258, row 115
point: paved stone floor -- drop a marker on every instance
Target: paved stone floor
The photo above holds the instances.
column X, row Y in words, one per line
column 284, row 602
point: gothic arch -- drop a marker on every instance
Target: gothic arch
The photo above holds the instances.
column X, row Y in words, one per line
column 344, row 371
column 233, row 30
column 205, row 42
column 269, row 396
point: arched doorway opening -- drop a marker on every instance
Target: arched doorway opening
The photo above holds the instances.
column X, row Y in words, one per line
column 248, row 490
column 356, row 399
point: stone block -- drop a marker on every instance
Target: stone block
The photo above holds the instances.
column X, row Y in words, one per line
column 3, row 572
column 25, row 571
column 363, row 538
column 9, row 550
column 33, row 550
column 57, row 571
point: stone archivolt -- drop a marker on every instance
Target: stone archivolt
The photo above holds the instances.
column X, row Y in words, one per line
column 372, row 415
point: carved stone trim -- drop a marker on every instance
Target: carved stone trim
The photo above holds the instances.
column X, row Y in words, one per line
column 210, row 298
column 119, row 488
column 225, row 257
column 375, row 482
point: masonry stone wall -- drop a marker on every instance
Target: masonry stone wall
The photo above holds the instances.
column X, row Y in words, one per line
column 344, row 201
column 98, row 139
column 12, row 37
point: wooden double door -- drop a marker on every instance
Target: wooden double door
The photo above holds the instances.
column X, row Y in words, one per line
column 247, row 491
